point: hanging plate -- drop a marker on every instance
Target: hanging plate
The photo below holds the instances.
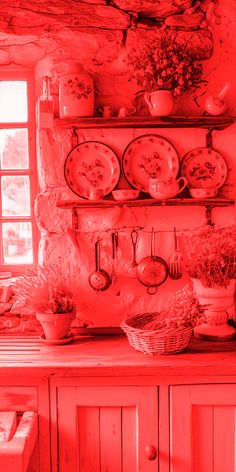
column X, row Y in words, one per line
column 204, row 167
column 148, row 157
column 91, row 165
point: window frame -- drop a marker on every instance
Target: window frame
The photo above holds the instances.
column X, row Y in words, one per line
column 12, row 74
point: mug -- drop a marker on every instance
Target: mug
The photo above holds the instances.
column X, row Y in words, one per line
column 107, row 112
column 94, row 193
column 124, row 111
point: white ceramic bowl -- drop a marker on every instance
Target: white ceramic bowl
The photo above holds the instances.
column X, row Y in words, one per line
column 203, row 192
column 125, row 194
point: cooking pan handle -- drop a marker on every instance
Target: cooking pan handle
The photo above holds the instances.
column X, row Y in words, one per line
column 97, row 256
column 152, row 243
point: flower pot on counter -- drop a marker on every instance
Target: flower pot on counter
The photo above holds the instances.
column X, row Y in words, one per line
column 219, row 302
column 55, row 325
column 76, row 92
column 160, row 103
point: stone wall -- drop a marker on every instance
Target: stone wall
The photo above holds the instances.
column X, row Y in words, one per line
column 50, row 35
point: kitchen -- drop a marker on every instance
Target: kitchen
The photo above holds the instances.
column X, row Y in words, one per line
column 91, row 390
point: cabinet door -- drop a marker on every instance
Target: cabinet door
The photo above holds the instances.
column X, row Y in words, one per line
column 202, row 425
column 107, row 429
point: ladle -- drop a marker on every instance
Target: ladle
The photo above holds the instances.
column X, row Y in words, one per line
column 99, row 279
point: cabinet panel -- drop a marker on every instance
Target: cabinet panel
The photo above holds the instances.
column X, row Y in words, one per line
column 106, row 429
column 202, row 425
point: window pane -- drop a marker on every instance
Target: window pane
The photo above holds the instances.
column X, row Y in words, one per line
column 13, row 99
column 14, row 149
column 17, row 243
column 15, row 195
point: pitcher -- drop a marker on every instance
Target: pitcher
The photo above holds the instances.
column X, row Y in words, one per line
column 160, row 103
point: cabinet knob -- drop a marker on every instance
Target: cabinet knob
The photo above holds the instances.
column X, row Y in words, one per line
column 151, row 452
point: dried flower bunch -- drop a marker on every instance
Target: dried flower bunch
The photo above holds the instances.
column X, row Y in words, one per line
column 180, row 310
column 165, row 65
column 48, row 290
column 210, row 254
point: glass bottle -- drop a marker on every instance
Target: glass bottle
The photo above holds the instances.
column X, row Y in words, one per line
column 46, row 106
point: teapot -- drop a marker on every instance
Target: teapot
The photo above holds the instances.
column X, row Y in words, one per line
column 164, row 189
column 216, row 104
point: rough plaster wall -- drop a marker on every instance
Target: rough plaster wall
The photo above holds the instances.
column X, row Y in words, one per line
column 105, row 61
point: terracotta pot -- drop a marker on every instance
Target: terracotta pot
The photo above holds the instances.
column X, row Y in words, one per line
column 160, row 103
column 220, row 307
column 55, row 325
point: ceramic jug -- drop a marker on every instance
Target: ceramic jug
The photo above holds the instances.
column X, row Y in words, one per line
column 164, row 189
column 160, row 103
column 76, row 92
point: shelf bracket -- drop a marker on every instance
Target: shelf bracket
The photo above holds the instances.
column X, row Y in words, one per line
column 208, row 213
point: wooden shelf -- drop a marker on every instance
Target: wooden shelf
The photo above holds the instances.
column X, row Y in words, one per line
column 106, row 203
column 214, row 122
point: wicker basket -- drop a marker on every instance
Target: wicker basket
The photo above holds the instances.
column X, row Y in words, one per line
column 163, row 341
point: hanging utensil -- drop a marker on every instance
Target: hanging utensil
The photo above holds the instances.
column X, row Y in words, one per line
column 152, row 271
column 114, row 243
column 175, row 267
column 99, row 279
column 132, row 272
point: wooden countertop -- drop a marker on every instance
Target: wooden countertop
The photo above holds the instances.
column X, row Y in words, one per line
column 112, row 355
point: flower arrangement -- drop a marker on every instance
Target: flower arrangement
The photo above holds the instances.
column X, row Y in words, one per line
column 180, row 310
column 165, row 65
column 47, row 290
column 210, row 254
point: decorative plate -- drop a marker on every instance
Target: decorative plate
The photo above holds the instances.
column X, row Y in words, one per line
column 91, row 165
column 204, row 167
column 148, row 157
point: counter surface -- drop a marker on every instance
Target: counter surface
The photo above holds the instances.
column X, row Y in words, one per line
column 112, row 355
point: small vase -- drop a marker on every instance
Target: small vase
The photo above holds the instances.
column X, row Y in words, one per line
column 160, row 103
column 219, row 302
column 76, row 93
column 55, row 325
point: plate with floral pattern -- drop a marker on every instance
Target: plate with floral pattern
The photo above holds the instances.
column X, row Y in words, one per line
column 92, row 165
column 148, row 157
column 204, row 167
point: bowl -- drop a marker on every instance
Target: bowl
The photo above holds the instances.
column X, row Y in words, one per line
column 203, row 192
column 125, row 194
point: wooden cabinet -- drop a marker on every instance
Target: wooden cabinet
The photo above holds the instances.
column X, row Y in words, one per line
column 102, row 406
column 106, row 428
column 21, row 393
column 202, row 425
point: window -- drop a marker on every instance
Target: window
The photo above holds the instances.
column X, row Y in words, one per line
column 18, row 177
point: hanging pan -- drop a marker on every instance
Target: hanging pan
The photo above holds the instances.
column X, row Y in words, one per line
column 152, row 271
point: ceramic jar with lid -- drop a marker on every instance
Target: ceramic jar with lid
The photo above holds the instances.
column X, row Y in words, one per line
column 76, row 92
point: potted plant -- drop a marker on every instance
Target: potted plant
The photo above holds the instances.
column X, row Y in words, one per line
column 164, row 70
column 52, row 295
column 210, row 260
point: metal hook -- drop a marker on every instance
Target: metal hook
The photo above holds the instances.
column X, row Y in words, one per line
column 209, row 138
column 75, row 138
